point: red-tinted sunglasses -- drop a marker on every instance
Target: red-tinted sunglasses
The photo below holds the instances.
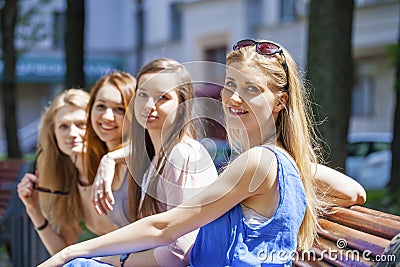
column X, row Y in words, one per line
column 265, row 48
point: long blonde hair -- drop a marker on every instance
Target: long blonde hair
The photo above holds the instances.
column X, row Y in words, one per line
column 125, row 83
column 293, row 129
column 56, row 169
column 142, row 146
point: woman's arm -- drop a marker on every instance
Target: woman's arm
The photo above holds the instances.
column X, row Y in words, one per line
column 187, row 171
column 53, row 241
column 102, row 196
column 339, row 188
column 248, row 175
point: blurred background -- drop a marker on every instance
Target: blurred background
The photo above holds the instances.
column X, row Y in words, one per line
column 60, row 44
column 347, row 50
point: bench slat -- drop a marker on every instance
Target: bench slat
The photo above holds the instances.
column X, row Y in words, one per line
column 376, row 225
column 339, row 256
column 354, row 238
column 311, row 263
column 375, row 213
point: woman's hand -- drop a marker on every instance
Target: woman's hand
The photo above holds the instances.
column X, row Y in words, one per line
column 56, row 260
column 102, row 196
column 27, row 194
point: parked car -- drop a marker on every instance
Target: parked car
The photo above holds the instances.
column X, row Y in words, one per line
column 369, row 158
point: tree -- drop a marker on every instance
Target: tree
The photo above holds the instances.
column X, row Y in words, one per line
column 394, row 184
column 330, row 70
column 74, row 44
column 20, row 30
column 8, row 83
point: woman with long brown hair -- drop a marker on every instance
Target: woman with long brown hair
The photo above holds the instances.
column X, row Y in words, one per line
column 107, row 126
column 166, row 162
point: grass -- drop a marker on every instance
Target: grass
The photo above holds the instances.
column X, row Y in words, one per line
column 383, row 200
column 4, row 258
column 25, row 157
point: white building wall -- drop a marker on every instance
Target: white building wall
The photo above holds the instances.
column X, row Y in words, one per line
column 111, row 32
column 293, row 36
column 375, row 26
column 270, row 11
column 157, row 21
column 381, row 118
column 206, row 27
column 110, row 26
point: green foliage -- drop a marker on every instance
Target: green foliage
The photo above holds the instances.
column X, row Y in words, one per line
column 4, row 257
column 86, row 233
column 31, row 28
column 29, row 157
column 394, row 52
column 383, row 200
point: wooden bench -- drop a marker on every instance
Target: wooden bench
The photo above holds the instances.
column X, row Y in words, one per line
column 345, row 234
column 356, row 236
column 9, row 170
column 16, row 230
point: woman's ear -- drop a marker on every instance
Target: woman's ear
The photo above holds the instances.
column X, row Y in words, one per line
column 281, row 101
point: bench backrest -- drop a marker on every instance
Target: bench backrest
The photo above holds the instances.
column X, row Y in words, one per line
column 356, row 236
column 17, row 231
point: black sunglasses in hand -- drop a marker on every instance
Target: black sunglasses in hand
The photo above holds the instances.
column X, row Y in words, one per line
column 44, row 189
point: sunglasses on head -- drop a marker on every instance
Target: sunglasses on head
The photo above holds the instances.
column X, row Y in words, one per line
column 44, row 189
column 265, row 48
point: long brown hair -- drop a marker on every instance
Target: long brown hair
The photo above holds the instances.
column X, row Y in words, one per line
column 125, row 83
column 142, row 147
column 293, row 129
column 56, row 169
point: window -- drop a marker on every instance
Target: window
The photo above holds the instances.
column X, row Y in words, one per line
column 215, row 75
column 288, row 10
column 176, row 22
column 361, row 3
column 359, row 149
column 362, row 99
column 58, row 29
column 217, row 54
column 363, row 149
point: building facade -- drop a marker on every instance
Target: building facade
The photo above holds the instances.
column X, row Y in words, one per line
column 125, row 34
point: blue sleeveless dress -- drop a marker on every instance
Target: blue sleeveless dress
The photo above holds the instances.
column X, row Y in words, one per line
column 230, row 241
column 83, row 262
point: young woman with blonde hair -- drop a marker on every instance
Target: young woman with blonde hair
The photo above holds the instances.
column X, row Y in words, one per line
column 59, row 182
column 89, row 127
column 264, row 203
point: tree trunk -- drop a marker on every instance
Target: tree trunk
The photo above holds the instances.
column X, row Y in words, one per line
column 330, row 70
column 394, row 185
column 74, row 44
column 8, row 84
column 140, row 34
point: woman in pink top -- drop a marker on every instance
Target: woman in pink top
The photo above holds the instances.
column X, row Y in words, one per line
column 167, row 164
